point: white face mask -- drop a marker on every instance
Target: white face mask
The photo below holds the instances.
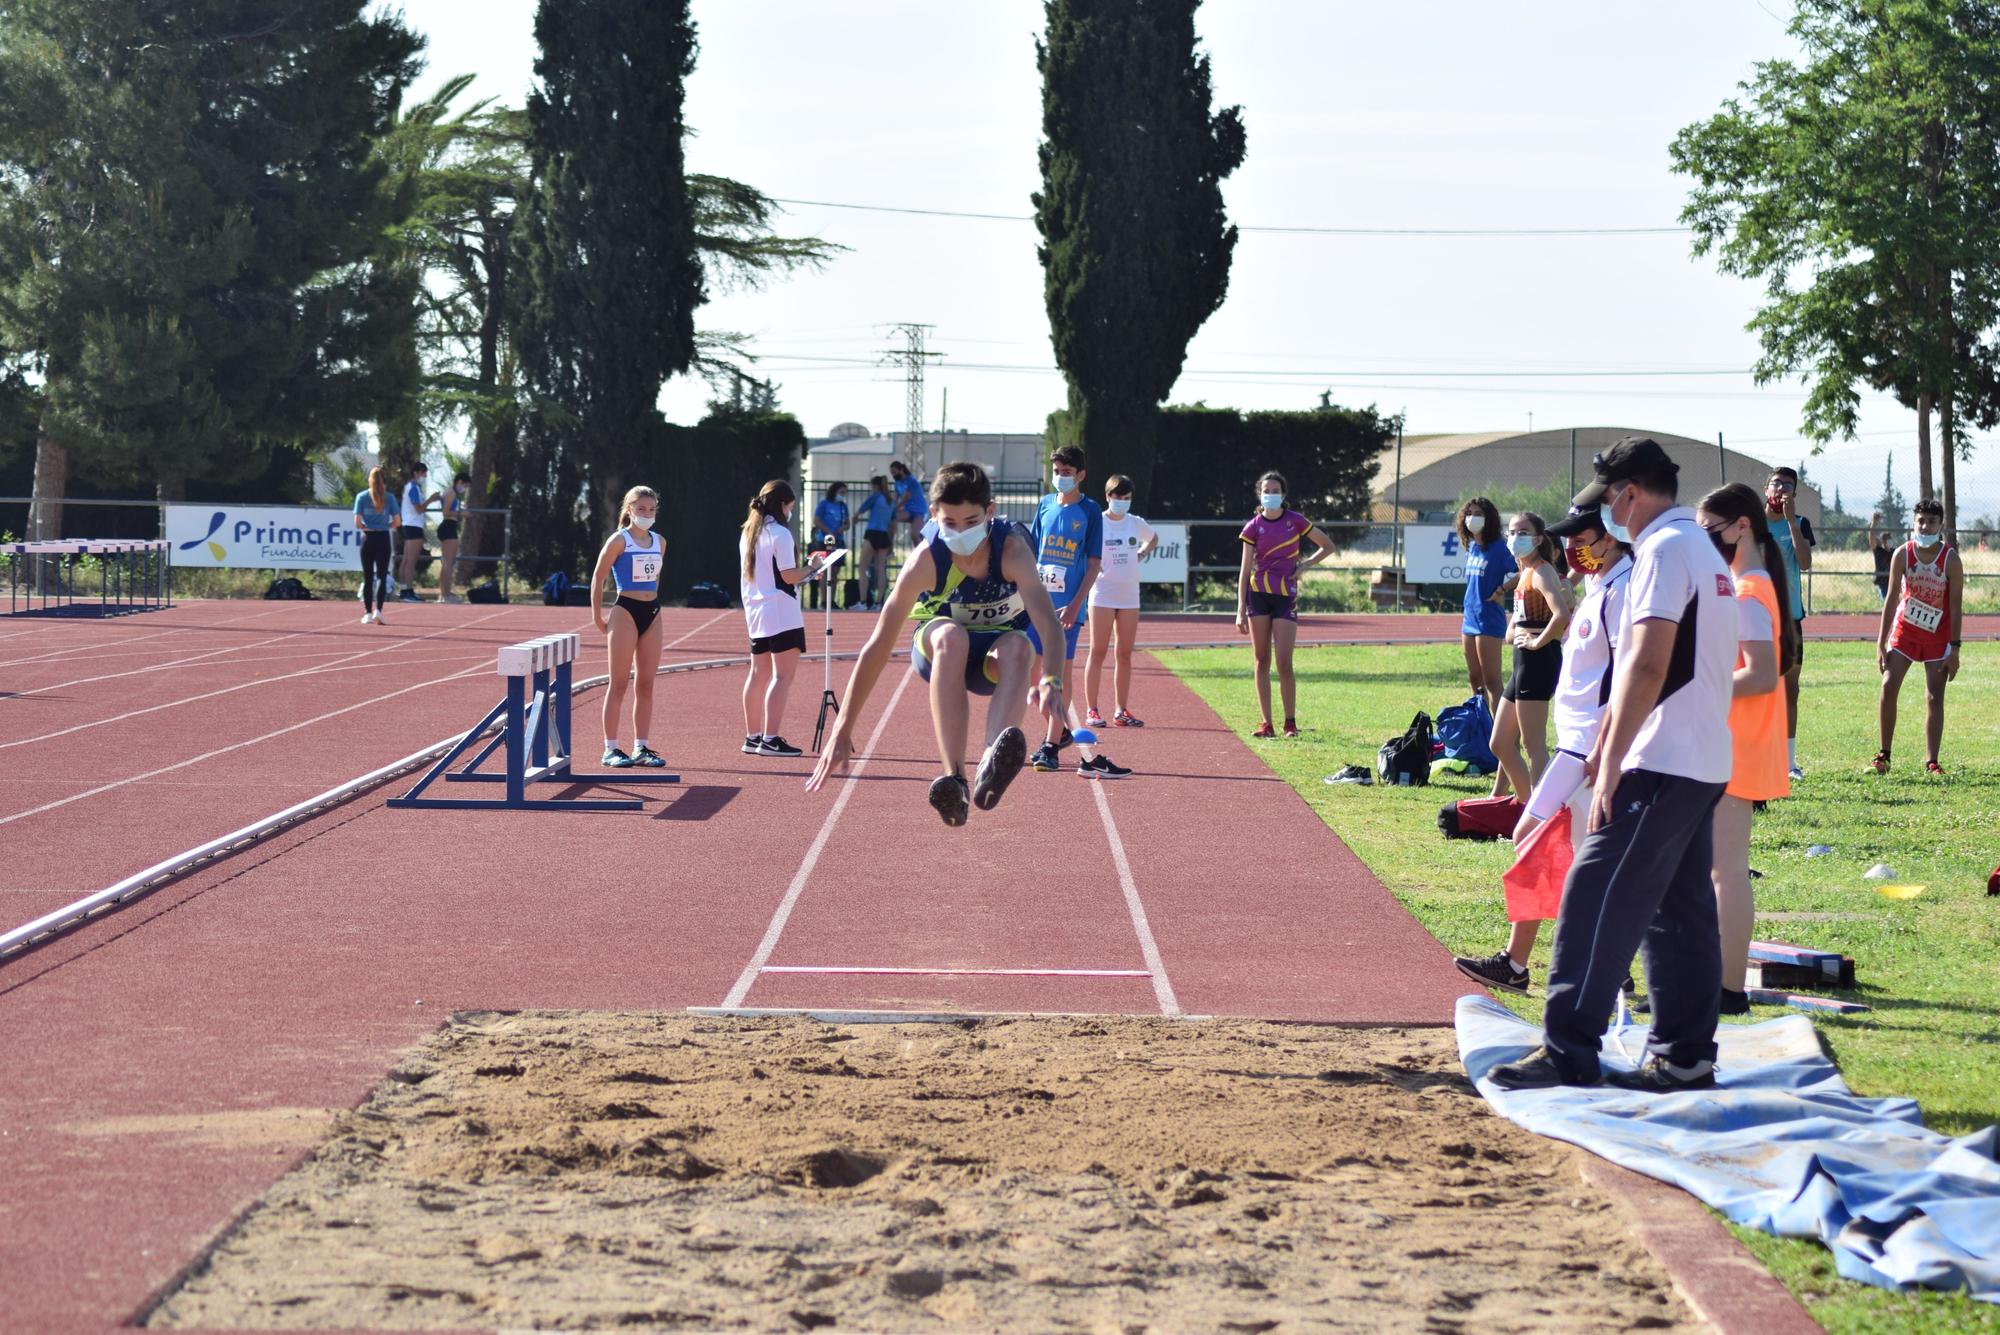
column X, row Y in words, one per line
column 642, row 522
column 963, row 541
column 1475, row 523
column 1118, row 506
column 1928, row 539
column 1521, row 544
column 1065, row 483
column 1272, row 500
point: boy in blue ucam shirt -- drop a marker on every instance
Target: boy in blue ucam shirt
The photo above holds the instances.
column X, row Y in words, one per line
column 1068, row 539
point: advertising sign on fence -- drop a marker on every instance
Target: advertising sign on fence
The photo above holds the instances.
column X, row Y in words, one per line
column 1168, row 562
column 1432, row 554
column 263, row 537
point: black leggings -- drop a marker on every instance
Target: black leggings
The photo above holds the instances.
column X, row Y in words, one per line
column 374, row 570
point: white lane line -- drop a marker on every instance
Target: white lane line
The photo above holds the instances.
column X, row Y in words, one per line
column 1162, row 989
column 370, row 703
column 762, row 957
column 959, row 973
column 169, row 664
column 245, row 686
column 117, row 646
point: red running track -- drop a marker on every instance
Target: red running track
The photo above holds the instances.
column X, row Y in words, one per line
column 159, row 1057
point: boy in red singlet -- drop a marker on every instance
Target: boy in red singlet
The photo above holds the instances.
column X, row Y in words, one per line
column 1921, row 623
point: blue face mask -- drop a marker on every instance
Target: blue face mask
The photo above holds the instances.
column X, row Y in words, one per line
column 1521, row 544
column 1271, row 500
column 1065, row 483
column 963, row 541
column 1118, row 505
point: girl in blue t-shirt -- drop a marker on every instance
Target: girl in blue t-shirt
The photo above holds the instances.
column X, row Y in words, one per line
column 1489, row 576
column 374, row 516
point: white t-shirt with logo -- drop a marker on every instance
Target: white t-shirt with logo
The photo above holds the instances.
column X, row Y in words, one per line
column 1678, row 576
column 1118, row 579
column 413, row 504
column 1581, row 699
column 771, row 606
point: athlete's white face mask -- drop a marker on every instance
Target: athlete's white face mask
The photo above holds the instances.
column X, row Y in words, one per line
column 1928, row 539
column 642, row 522
column 963, row 541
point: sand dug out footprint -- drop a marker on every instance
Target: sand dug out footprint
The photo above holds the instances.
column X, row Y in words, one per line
column 586, row 1170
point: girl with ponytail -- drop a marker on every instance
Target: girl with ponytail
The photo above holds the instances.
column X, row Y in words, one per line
column 1734, row 516
column 769, row 557
column 631, row 558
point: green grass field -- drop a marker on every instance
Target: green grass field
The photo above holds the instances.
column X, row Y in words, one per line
column 1930, row 966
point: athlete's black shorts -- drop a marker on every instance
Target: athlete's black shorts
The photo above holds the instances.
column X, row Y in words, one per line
column 1535, row 672
column 641, row 611
column 795, row 638
column 447, row 530
column 410, row 533
column 878, row 539
column 1279, row 606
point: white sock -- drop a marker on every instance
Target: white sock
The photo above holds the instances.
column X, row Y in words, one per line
column 638, row 743
column 1792, row 752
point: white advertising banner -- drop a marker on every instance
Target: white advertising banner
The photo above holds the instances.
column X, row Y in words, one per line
column 1167, row 563
column 1433, row 554
column 263, row 537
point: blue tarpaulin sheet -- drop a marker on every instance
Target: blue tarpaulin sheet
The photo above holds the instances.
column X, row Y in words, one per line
column 1780, row 1144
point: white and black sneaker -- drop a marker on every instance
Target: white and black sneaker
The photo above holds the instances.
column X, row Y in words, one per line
column 1498, row 970
column 1101, row 767
column 774, row 745
column 753, row 745
column 1351, row 774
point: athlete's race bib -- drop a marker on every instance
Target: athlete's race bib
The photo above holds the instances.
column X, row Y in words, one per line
column 974, row 616
column 1054, row 578
column 1923, row 616
column 645, row 567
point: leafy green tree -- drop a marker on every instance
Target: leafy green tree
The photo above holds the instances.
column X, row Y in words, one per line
column 1135, row 244
column 608, row 274
column 191, row 229
column 1862, row 184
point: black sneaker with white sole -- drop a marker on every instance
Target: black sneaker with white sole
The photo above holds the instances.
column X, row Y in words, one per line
column 1100, row 767
column 998, row 767
column 949, row 797
column 753, row 745
column 1497, row 970
column 1537, row 1070
column 1660, row 1076
column 777, row 746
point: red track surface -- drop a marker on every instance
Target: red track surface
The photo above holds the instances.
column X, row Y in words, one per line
column 290, row 975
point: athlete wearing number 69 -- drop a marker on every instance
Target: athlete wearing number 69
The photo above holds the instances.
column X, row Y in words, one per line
column 973, row 591
column 1921, row 623
column 631, row 559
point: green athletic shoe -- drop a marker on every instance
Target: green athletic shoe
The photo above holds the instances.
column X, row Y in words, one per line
column 616, row 759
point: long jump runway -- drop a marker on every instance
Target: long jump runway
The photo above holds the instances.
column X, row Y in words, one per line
column 170, row 1061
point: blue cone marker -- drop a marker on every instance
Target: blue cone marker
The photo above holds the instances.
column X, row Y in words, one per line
column 1085, row 737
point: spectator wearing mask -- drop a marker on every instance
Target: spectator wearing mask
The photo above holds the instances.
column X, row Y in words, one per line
column 829, row 533
column 1488, row 564
column 1735, row 520
column 1660, row 764
column 1794, row 536
column 1541, row 614
column 1880, row 551
column 876, row 513
column 1921, row 623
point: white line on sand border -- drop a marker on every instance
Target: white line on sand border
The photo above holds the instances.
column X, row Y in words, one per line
column 1162, row 989
column 746, row 979
column 957, row 973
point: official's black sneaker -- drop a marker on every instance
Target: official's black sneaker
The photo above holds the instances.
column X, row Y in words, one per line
column 753, row 745
column 775, row 745
column 1497, row 970
column 1659, row 1076
column 1046, row 761
column 998, row 767
column 1101, row 767
column 1734, row 1003
column 948, row 797
column 1537, row 1070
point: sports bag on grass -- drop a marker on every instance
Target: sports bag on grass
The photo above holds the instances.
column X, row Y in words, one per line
column 489, row 592
column 1480, row 817
column 1407, row 759
column 1467, row 733
column 555, row 590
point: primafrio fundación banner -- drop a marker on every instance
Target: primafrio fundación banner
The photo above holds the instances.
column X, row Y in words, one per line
column 263, row 537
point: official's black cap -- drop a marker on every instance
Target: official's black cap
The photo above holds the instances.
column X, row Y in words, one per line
column 1634, row 456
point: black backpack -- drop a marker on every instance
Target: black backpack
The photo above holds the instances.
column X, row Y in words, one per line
column 1409, row 754
column 288, row 589
column 706, row 594
column 489, row 592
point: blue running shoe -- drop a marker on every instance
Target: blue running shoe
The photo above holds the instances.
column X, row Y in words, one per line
column 616, row 759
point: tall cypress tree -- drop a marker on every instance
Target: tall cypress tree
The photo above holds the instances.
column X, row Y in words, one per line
column 607, row 273
column 1135, row 245
column 190, row 228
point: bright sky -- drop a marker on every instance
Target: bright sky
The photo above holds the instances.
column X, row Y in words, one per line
column 1444, row 116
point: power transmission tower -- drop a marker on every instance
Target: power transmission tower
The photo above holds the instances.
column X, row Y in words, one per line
column 911, row 357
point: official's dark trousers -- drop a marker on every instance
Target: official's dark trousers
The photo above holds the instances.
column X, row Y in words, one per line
column 1643, row 880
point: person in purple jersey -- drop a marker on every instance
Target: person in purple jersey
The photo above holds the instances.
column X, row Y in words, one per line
column 1267, row 593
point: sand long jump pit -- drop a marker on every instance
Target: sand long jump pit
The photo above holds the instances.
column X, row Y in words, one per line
column 579, row 1170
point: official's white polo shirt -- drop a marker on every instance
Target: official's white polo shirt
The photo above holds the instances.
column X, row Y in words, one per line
column 1678, row 576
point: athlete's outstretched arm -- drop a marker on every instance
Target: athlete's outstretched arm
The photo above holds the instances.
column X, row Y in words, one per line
column 919, row 574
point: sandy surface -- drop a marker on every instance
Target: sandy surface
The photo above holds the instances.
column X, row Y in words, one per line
column 588, row 1170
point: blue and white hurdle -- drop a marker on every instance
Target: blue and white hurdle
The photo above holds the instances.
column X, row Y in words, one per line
column 535, row 732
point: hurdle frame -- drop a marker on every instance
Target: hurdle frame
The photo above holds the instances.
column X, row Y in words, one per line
column 132, row 576
column 535, row 736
